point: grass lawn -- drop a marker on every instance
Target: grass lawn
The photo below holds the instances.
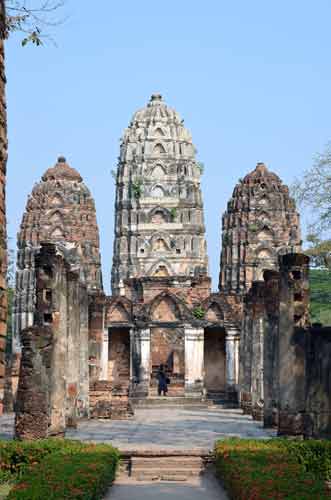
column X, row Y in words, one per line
column 320, row 295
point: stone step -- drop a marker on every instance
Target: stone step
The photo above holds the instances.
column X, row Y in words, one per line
column 155, row 474
column 172, row 401
column 166, row 468
column 221, row 403
column 179, row 463
column 164, row 465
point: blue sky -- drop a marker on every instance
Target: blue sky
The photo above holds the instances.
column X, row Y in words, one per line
column 251, row 79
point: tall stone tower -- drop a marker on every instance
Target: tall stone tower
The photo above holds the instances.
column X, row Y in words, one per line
column 60, row 210
column 261, row 222
column 159, row 222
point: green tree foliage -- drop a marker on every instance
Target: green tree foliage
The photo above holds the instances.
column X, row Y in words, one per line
column 33, row 19
column 319, row 251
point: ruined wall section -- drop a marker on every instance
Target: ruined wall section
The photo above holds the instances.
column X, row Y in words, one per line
column 261, row 223
column 251, row 352
column 53, row 390
column 293, row 321
column 271, row 348
column 159, row 220
column 318, row 382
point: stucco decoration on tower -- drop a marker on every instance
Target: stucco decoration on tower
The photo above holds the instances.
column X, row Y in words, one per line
column 159, row 222
column 59, row 210
column 261, row 223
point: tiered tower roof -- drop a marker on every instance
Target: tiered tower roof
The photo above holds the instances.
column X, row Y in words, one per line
column 260, row 223
column 62, row 171
column 61, row 210
column 159, row 226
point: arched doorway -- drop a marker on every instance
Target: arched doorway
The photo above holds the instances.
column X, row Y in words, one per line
column 215, row 360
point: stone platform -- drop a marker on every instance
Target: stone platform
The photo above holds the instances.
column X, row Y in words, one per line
column 166, row 428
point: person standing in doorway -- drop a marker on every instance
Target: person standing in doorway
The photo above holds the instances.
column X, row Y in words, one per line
column 163, row 381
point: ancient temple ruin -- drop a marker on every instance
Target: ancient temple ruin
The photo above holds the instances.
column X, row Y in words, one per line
column 83, row 354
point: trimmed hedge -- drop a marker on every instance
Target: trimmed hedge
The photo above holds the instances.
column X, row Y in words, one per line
column 17, row 456
column 274, row 469
column 57, row 469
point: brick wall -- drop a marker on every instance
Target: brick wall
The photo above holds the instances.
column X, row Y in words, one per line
column 3, row 234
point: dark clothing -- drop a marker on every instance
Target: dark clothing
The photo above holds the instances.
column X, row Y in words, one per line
column 163, row 382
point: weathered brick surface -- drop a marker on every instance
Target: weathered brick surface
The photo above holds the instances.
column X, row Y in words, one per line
column 33, row 395
column 109, row 401
column 3, row 233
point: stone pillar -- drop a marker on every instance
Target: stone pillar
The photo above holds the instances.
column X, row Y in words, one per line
column 293, row 318
column 232, row 339
column 83, row 400
column 270, row 351
column 96, row 335
column 141, row 353
column 258, row 331
column 236, row 360
column 73, row 348
column 54, row 278
column 194, row 356
column 105, row 355
column 245, row 361
column 230, row 361
column 132, row 374
column 257, row 368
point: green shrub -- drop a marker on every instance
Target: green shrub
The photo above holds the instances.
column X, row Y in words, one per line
column 314, row 456
column 77, row 474
column 16, row 456
column 272, row 469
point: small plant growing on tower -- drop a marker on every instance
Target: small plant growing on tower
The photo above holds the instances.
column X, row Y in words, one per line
column 137, row 188
column 113, row 173
column 253, row 228
column 173, row 214
column 199, row 312
column 226, row 239
column 201, row 167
